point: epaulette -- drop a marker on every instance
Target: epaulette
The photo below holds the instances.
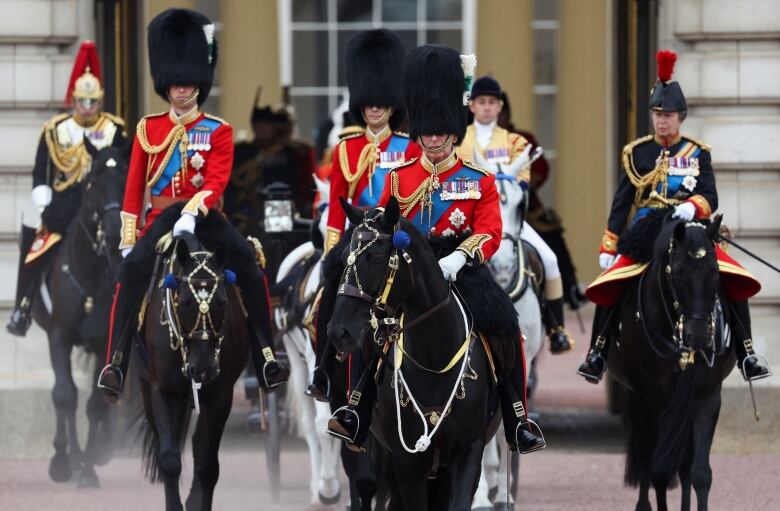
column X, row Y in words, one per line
column 115, row 119
column 470, row 164
column 401, row 134
column 404, row 164
column 629, row 148
column 215, row 118
column 54, row 121
column 351, row 132
column 704, row 147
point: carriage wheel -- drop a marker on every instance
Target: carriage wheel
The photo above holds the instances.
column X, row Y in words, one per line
column 273, row 444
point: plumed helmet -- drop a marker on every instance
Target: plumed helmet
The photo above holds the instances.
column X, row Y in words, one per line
column 434, row 83
column 667, row 95
column 85, row 81
column 182, row 51
column 374, row 61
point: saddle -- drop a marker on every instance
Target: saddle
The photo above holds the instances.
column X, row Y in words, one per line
column 524, row 272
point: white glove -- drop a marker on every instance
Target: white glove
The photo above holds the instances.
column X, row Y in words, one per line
column 126, row 251
column 451, row 265
column 41, row 197
column 685, row 211
column 482, row 162
column 185, row 223
column 606, row 260
column 517, row 166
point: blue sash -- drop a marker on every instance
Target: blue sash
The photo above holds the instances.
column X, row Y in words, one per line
column 397, row 145
column 174, row 164
column 439, row 206
column 674, row 183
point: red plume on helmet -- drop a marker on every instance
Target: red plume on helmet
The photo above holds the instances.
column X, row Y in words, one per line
column 87, row 57
column 666, row 60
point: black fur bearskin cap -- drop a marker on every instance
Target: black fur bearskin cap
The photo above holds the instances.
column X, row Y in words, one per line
column 433, row 90
column 374, row 61
column 182, row 51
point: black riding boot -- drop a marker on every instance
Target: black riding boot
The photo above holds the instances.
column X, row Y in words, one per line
column 123, row 325
column 592, row 369
column 319, row 386
column 352, row 422
column 270, row 372
column 749, row 362
column 520, row 433
column 560, row 340
column 26, row 280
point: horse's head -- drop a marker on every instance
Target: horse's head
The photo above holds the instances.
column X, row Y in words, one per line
column 687, row 250
column 376, row 277
column 104, row 190
column 197, row 305
column 512, row 195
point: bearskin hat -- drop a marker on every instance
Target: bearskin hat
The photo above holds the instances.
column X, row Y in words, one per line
column 434, row 91
column 374, row 61
column 667, row 95
column 182, row 51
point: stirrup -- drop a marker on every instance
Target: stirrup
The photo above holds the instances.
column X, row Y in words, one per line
column 271, row 387
column 758, row 358
column 588, row 376
column 111, row 390
column 336, row 430
column 537, row 432
column 318, row 396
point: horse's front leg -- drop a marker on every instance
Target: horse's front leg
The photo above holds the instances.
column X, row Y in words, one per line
column 410, row 489
column 99, row 449
column 65, row 398
column 329, row 488
column 170, row 414
column 205, row 446
column 488, row 477
column 703, row 431
column 466, row 476
column 685, row 479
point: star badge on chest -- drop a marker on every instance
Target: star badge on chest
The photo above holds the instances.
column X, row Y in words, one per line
column 197, row 161
column 197, row 180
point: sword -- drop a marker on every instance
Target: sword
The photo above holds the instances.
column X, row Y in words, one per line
column 748, row 252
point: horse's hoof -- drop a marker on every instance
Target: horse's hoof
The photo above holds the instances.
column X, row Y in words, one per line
column 329, row 501
column 482, row 508
column 60, row 470
column 503, row 506
column 492, row 492
column 89, row 481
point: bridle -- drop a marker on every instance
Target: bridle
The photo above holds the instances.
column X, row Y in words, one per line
column 203, row 291
column 381, row 313
column 676, row 317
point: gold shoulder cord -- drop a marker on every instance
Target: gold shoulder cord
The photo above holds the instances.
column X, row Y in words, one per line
column 366, row 161
column 408, row 203
column 177, row 134
column 73, row 162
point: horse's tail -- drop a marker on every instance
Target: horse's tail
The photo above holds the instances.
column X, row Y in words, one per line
column 150, row 436
column 674, row 431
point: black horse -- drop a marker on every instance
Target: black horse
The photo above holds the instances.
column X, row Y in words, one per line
column 195, row 334
column 441, row 402
column 670, row 357
column 73, row 309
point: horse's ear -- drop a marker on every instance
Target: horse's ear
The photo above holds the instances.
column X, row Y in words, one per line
column 713, row 230
column 91, row 149
column 392, row 213
column 679, row 232
column 355, row 215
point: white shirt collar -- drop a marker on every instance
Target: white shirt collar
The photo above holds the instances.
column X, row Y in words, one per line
column 484, row 132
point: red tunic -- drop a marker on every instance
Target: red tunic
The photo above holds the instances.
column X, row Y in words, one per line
column 170, row 162
column 358, row 161
column 465, row 201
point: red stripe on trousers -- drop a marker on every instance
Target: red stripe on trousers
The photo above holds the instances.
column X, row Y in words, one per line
column 111, row 322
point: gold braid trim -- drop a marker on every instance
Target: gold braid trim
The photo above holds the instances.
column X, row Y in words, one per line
column 197, row 204
column 74, row 162
column 177, row 134
column 472, row 246
column 128, row 231
column 636, row 179
column 332, row 237
column 609, row 242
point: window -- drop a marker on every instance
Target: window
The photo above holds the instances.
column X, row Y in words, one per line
column 313, row 35
column 545, row 26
